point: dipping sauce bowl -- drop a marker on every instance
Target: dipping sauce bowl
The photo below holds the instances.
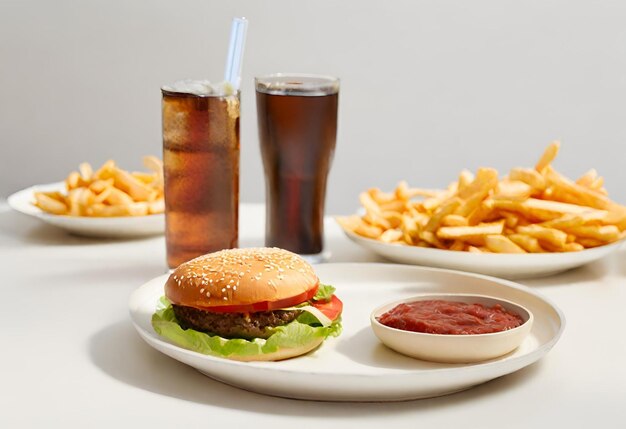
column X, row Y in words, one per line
column 453, row 348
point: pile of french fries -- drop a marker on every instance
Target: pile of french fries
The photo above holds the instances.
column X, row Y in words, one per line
column 529, row 211
column 109, row 191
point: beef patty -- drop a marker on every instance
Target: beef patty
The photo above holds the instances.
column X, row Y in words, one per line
column 233, row 325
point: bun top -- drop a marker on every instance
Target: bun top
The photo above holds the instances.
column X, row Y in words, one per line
column 240, row 277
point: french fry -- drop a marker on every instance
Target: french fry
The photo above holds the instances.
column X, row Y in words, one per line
column 458, row 245
column 99, row 198
column 140, row 208
column 379, row 196
column 85, row 171
column 529, row 244
column 444, row 210
column 49, row 204
column 510, row 219
column 471, row 204
column 74, row 181
column 617, row 217
column 501, row 244
column 367, row 230
column 393, row 217
column 74, row 201
column 432, row 239
column 605, row 233
column 454, row 220
column 391, row 235
column 106, row 171
column 133, row 187
column 589, row 242
column 481, row 213
column 513, row 190
column 598, row 184
column 486, row 180
column 349, row 223
column 376, row 219
column 573, row 247
column 117, row 197
column 548, row 156
column 55, row 195
column 552, row 236
column 156, row 165
column 567, row 191
column 466, row 177
column 564, row 222
column 541, row 210
column 103, row 210
column 100, row 185
column 409, row 226
column 393, row 206
column 531, row 177
column 146, row 178
column 465, row 232
column 403, row 192
column 588, row 178
column 371, row 206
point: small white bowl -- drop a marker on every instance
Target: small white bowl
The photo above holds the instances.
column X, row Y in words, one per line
column 453, row 348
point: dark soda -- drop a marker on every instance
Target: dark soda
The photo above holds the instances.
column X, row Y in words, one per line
column 201, row 169
column 297, row 132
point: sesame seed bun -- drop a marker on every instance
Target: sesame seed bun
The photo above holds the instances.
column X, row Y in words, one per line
column 280, row 354
column 240, row 277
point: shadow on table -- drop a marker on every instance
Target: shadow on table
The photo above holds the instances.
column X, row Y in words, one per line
column 620, row 262
column 587, row 273
column 119, row 352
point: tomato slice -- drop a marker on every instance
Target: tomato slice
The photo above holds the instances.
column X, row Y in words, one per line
column 331, row 309
column 265, row 305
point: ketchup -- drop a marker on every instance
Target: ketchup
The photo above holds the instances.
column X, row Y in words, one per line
column 450, row 317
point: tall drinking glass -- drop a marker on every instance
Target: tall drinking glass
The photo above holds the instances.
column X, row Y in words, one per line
column 297, row 116
column 201, row 169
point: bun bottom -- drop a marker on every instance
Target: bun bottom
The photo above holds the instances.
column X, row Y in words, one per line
column 281, row 354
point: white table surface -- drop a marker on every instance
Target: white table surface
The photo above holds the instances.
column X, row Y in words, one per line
column 71, row 357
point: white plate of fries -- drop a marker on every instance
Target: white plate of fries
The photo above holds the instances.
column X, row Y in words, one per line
column 511, row 266
column 109, row 202
column 532, row 222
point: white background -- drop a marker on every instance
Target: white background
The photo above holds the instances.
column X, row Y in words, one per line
column 428, row 87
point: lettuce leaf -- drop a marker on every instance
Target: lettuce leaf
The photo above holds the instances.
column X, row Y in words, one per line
column 324, row 292
column 291, row 335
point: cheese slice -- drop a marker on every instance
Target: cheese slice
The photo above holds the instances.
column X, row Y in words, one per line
column 321, row 317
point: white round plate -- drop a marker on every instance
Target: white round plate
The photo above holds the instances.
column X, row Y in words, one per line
column 511, row 266
column 110, row 227
column 356, row 366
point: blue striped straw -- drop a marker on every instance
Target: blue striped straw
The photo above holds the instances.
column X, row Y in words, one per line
column 234, row 60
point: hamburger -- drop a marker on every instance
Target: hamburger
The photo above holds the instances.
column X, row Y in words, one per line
column 257, row 304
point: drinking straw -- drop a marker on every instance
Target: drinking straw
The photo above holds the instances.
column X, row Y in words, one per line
column 234, row 60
